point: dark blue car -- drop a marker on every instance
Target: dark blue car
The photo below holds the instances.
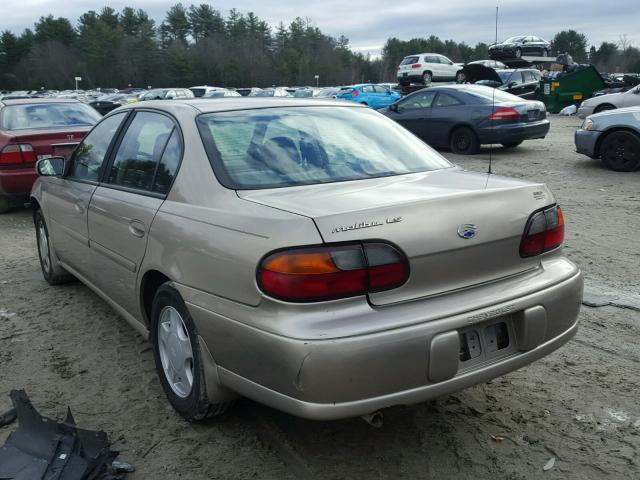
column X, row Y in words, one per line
column 464, row 117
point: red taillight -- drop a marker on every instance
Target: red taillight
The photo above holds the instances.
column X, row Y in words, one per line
column 504, row 113
column 355, row 93
column 416, row 65
column 17, row 153
column 544, row 232
column 331, row 272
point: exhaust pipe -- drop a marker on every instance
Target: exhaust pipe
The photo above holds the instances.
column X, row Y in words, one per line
column 374, row 419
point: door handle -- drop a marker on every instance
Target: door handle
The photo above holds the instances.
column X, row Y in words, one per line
column 79, row 206
column 137, row 228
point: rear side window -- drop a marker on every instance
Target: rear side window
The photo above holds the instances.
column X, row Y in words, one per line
column 47, row 115
column 140, row 151
column 409, row 60
column 89, row 157
column 168, row 164
column 446, row 100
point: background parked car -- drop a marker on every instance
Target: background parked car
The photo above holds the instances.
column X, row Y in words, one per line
column 427, row 67
column 463, row 117
column 630, row 98
column 32, row 129
column 524, row 83
column 110, row 102
column 245, row 92
column 270, row 92
column 328, row 92
column 220, row 93
column 202, row 90
column 306, row 92
column 612, row 136
column 488, row 63
column 516, row 47
column 166, row 94
column 369, row 94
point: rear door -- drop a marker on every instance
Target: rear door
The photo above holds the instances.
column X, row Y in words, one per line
column 66, row 199
column 414, row 111
column 530, row 85
column 122, row 208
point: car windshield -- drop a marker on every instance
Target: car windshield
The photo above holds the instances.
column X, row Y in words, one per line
column 489, row 95
column 513, row 40
column 282, row 147
column 47, row 115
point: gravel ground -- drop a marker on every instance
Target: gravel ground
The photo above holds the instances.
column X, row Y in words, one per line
column 578, row 405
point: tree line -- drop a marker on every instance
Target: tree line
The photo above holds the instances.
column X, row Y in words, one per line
column 198, row 45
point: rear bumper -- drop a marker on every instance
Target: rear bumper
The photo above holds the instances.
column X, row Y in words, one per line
column 338, row 377
column 513, row 133
column 409, row 79
column 586, row 141
column 18, row 182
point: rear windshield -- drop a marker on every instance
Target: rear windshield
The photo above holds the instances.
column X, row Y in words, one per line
column 282, row 147
column 409, row 60
column 489, row 95
column 47, row 115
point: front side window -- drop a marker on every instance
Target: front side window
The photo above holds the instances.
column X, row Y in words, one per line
column 282, row 147
column 47, row 115
column 140, row 151
column 417, row 100
column 367, row 89
column 88, row 159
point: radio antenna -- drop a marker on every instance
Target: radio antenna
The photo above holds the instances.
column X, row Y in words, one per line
column 493, row 102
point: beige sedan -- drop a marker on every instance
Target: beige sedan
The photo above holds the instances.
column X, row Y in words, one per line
column 312, row 255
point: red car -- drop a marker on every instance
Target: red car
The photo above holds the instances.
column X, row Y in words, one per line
column 35, row 128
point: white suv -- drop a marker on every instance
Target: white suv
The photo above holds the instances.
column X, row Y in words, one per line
column 425, row 67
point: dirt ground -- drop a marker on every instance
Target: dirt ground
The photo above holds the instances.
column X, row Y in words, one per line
column 578, row 405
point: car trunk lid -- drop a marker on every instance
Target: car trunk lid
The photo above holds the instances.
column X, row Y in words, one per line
column 427, row 215
column 49, row 143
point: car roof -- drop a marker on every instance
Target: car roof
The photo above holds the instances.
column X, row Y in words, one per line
column 27, row 101
column 227, row 104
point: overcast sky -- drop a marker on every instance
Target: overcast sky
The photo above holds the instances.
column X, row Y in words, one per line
column 368, row 23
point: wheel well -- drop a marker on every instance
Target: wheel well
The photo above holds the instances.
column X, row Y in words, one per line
column 35, row 206
column 150, row 284
column 599, row 107
column 605, row 134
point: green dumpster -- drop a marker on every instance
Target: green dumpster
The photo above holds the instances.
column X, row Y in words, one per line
column 570, row 88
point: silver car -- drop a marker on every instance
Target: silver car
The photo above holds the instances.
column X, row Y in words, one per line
column 312, row 255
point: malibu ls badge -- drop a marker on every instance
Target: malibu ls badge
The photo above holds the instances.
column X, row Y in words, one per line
column 467, row 231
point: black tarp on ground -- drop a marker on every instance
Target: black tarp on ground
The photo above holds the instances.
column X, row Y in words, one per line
column 42, row 449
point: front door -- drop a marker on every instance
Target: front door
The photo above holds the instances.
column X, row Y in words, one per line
column 414, row 111
column 123, row 207
column 446, row 112
column 67, row 198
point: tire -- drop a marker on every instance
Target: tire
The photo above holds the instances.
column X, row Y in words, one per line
column 518, row 53
column 5, row 204
column 187, row 390
column 511, row 144
column 52, row 272
column 427, row 78
column 460, row 77
column 464, row 141
column 620, row 151
column 364, row 103
column 604, row 107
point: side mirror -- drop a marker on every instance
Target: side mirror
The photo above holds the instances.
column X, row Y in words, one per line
column 51, row 167
column 393, row 107
column 512, row 84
